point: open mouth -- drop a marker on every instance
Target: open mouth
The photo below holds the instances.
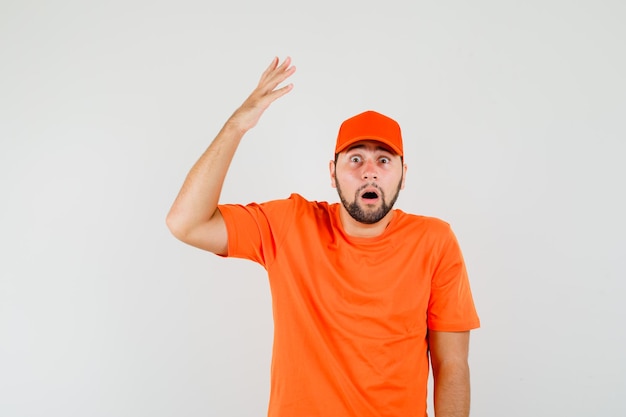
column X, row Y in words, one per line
column 370, row 196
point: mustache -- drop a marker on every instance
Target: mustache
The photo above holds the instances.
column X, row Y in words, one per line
column 372, row 184
column 359, row 191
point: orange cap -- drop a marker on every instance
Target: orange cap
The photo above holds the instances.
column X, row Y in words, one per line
column 370, row 125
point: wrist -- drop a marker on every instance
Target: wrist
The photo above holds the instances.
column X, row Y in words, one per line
column 233, row 126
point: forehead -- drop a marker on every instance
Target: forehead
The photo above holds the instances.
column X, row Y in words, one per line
column 370, row 146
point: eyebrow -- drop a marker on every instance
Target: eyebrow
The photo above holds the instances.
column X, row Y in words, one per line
column 379, row 148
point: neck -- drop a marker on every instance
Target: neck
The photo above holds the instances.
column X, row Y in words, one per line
column 357, row 229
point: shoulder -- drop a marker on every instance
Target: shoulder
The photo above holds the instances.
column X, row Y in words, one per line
column 433, row 232
column 282, row 209
column 301, row 204
column 427, row 223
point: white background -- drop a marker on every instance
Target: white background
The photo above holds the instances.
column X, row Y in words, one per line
column 513, row 115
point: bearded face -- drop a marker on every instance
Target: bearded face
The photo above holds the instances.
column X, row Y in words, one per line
column 368, row 177
column 369, row 204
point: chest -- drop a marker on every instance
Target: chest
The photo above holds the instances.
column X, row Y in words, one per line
column 380, row 289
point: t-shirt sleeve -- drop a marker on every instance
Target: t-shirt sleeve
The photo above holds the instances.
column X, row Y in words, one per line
column 451, row 306
column 255, row 230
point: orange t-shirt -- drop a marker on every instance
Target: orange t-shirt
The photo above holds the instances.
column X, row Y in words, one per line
column 351, row 315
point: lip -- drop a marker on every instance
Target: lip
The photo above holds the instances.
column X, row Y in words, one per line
column 370, row 189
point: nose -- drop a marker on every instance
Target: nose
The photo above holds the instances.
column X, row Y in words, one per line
column 370, row 170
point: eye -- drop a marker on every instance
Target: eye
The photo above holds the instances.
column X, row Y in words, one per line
column 384, row 160
column 355, row 159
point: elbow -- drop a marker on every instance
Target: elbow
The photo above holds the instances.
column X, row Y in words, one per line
column 210, row 235
column 176, row 226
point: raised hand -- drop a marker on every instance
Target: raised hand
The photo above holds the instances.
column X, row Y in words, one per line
column 194, row 217
column 249, row 113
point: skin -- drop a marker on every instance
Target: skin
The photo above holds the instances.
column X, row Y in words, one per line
column 448, row 355
column 367, row 166
column 195, row 219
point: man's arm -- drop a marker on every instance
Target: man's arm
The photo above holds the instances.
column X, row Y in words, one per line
column 194, row 217
column 448, row 355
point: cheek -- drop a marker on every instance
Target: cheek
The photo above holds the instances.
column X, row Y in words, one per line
column 392, row 183
column 346, row 181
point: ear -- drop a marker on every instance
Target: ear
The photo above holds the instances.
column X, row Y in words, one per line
column 331, row 169
column 404, row 168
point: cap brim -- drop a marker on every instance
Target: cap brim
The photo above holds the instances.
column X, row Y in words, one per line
column 356, row 139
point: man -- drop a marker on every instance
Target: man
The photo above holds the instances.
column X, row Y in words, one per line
column 361, row 293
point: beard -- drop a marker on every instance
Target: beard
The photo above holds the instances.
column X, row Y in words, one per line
column 361, row 214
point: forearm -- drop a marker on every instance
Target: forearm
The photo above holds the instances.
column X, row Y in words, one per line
column 197, row 200
column 451, row 389
column 194, row 217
